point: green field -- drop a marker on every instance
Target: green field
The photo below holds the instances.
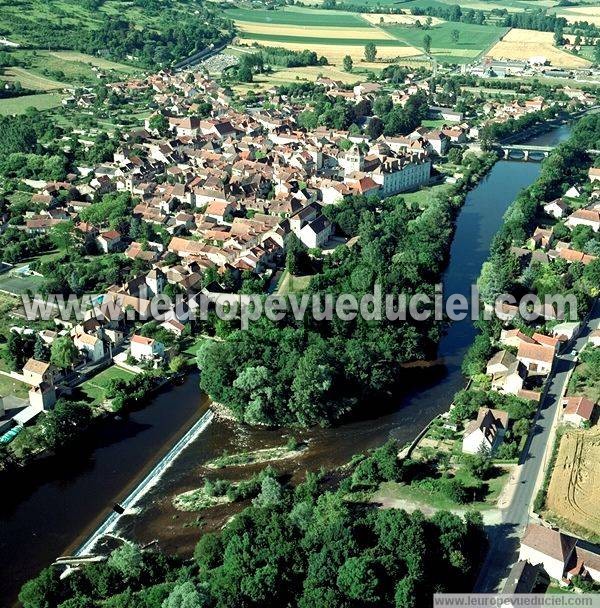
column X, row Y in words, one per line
column 47, row 70
column 326, row 40
column 473, row 39
column 19, row 285
column 94, row 389
column 18, row 105
column 8, row 386
column 298, row 16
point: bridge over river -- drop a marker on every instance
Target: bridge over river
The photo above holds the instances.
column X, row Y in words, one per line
column 529, row 152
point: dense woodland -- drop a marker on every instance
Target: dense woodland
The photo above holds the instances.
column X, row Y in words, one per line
column 293, row 547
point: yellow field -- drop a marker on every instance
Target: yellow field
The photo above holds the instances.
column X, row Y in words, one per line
column 523, row 44
column 335, row 53
column 375, row 19
column 574, row 490
column 338, row 33
column 581, row 13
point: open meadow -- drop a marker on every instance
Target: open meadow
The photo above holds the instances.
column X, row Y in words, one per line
column 574, row 490
column 472, row 41
column 523, row 44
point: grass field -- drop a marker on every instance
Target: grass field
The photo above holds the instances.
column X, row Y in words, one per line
column 472, row 41
column 523, row 44
column 422, row 198
column 299, row 17
column 19, row 285
column 8, row 386
column 293, row 284
column 47, row 71
column 574, row 489
column 18, row 105
column 95, row 388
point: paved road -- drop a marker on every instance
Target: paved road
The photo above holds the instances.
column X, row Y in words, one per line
column 504, row 537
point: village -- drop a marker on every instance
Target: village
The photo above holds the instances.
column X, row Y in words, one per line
column 210, row 204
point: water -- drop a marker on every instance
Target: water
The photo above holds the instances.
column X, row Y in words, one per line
column 52, row 512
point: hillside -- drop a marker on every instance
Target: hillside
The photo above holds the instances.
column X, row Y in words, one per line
column 149, row 33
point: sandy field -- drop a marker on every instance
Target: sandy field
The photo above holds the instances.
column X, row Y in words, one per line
column 335, row 53
column 523, row 44
column 574, row 491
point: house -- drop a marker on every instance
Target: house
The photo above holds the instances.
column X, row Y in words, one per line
column 500, row 362
column 556, row 208
column 511, row 380
column 316, row 233
column 574, row 192
column 521, row 578
column 36, row 372
column 594, row 174
column 514, row 338
column 536, row 358
column 91, row 346
column 584, row 217
column 42, row 396
column 550, row 548
column 578, row 410
column 109, row 241
column 146, row 349
column 485, row 432
column 594, row 337
column 174, row 326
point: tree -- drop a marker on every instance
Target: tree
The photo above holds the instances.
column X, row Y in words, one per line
column 427, row 43
column 244, row 74
column 455, row 35
column 42, row 591
column 63, row 353
column 374, row 128
column 62, row 235
column 159, row 123
column 348, row 63
column 270, row 493
column 370, row 52
column 597, row 53
column 185, row 595
column 65, row 422
column 127, row 560
column 357, row 580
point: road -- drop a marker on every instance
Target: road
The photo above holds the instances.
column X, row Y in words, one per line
column 504, row 537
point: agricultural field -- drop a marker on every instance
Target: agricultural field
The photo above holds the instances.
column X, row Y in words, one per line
column 333, row 34
column 523, row 44
column 18, row 105
column 590, row 14
column 472, row 39
column 574, row 490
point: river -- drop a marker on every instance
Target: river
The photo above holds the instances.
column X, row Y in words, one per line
column 52, row 512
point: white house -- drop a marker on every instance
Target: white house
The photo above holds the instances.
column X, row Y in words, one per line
column 146, row 349
column 536, row 358
column 316, row 233
column 584, row 217
column 549, row 548
column 91, row 346
column 578, row 410
column 500, row 362
column 484, row 433
column 556, row 208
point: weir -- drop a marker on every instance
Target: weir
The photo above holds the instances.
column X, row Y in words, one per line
column 146, row 484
